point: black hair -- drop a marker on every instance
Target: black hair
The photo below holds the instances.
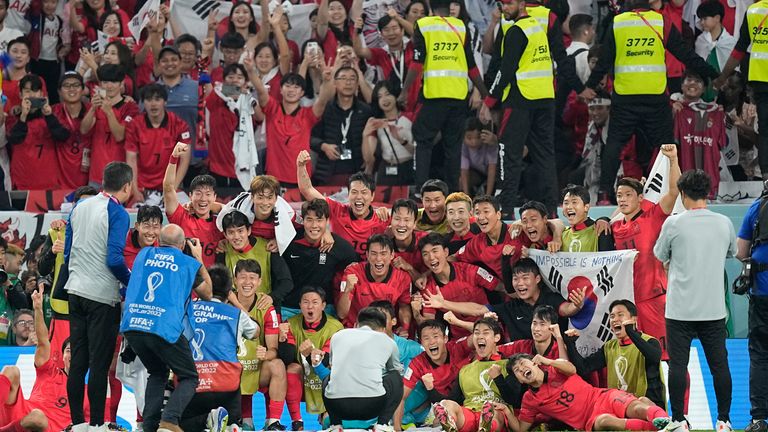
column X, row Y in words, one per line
column 313, row 289
column 577, row 190
column 19, row 40
column 92, row 16
column 435, row 185
column 106, row 15
column 474, row 124
column 35, row 82
column 232, row 40
column 490, row 322
column 363, row 178
column 385, row 20
column 431, row 323
column 6, row 3
column 188, row 38
column 116, row 176
column 345, row 69
column 293, row 79
column 221, row 281
column 594, row 52
column 695, row 184
column 414, row 2
column 492, row 200
column 235, row 219
column 690, row 73
column 110, row 73
column 252, row 26
column 154, row 90
column 380, row 239
column 125, row 57
column 546, row 313
column 432, row 239
column 630, row 183
column 710, row 8
column 235, row 67
column 202, row 180
column 534, row 205
column 318, row 206
column 526, row 265
column 247, row 265
column 149, row 213
column 515, row 358
column 578, row 22
column 463, row 14
column 407, row 204
column 64, row 345
column 631, row 308
column 384, row 306
column 3, row 243
column 372, row 317
column 313, row 13
column 85, row 190
column 393, row 89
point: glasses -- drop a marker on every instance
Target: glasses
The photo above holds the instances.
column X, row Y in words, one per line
column 25, row 323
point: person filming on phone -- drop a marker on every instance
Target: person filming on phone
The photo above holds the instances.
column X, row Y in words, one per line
column 156, row 321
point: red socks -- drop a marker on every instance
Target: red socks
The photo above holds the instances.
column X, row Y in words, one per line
column 247, row 406
column 655, row 412
column 115, row 393
column 275, row 409
column 293, row 396
column 639, row 425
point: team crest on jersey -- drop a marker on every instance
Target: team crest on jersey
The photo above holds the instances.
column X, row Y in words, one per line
column 484, row 273
column 185, row 135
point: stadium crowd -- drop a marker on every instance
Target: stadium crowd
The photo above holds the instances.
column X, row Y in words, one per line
column 426, row 312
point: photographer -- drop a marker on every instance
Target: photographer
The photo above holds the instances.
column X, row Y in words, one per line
column 753, row 250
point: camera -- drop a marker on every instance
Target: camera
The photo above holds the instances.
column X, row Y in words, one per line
column 37, row 103
column 743, row 283
column 230, row 90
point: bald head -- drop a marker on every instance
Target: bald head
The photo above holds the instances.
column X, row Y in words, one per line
column 172, row 235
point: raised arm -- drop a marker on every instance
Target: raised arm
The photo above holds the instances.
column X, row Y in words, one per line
column 284, row 55
column 43, row 349
column 667, row 202
column 305, row 183
column 253, row 75
column 169, row 181
column 322, row 19
column 327, row 91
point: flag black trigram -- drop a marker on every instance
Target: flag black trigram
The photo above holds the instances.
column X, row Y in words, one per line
column 204, row 7
column 604, row 332
column 555, row 278
column 605, row 281
column 655, row 183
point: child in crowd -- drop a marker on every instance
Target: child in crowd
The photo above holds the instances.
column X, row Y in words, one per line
column 479, row 157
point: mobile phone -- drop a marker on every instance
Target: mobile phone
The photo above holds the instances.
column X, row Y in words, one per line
column 230, row 90
column 37, row 103
column 313, row 48
column 102, row 93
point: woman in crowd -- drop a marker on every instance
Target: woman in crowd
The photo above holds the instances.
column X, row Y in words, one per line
column 388, row 134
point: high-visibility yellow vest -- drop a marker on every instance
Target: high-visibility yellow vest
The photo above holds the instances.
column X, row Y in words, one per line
column 639, row 66
column 534, row 71
column 540, row 13
column 445, row 65
column 758, row 34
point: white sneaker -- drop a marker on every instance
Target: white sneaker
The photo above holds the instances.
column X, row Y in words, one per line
column 82, row 427
column 677, row 426
column 723, row 426
column 383, row 428
column 100, row 428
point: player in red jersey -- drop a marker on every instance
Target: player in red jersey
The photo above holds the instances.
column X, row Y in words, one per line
column 558, row 393
column 437, row 367
column 70, row 112
column 458, row 212
column 406, row 238
column 145, row 232
column 355, row 222
column 149, row 142
column 376, row 279
column 199, row 222
column 639, row 229
column 459, row 282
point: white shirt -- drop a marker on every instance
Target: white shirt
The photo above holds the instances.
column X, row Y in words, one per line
column 8, row 34
column 581, row 59
column 403, row 125
column 16, row 18
column 50, row 39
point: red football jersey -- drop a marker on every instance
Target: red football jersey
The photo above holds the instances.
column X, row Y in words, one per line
column 444, row 376
column 468, row 283
column 412, row 254
column 203, row 229
column 221, row 124
column 356, row 231
column 528, row 346
column 288, row 135
column 34, row 165
column 641, row 233
column 104, row 147
column 70, row 153
column 154, row 146
column 49, row 394
column 480, row 251
column 700, row 130
column 568, row 399
column 395, row 288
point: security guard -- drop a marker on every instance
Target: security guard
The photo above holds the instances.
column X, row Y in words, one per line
column 443, row 52
column 754, row 31
column 634, row 48
column 525, row 85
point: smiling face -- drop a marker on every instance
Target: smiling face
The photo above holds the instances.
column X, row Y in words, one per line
column 336, row 13
column 526, row 285
column 188, row 52
column 692, row 88
column 235, row 78
column 314, row 227
column 66, row 357
column 71, row 90
column 379, row 260
column 149, row 231
column 360, row 199
column 264, row 203
column 618, row 315
column 599, row 114
column 540, row 330
column 392, row 34
column 49, row 7
column 433, row 341
column 346, row 83
column 265, row 60
column 111, row 26
column 457, row 215
column 110, row 55
column 574, row 209
column 415, row 13
column 237, row 236
column 487, row 217
column 527, row 372
column 312, row 306
column 534, row 225
column 247, row 283
column 201, row 199
column 484, row 341
column 387, row 101
column 628, row 200
column 241, row 17
column 19, row 55
column 291, row 93
column 403, row 223
column 170, row 65
column 435, row 258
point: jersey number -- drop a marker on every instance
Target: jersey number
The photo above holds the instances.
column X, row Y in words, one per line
column 445, row 46
column 641, row 42
column 566, row 398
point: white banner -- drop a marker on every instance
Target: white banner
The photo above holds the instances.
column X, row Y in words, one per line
column 148, row 12
column 657, row 184
column 607, row 276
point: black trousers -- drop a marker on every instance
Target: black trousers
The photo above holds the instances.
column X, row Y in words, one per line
column 533, row 128
column 197, row 410
column 382, row 407
column 712, row 335
column 445, row 116
column 758, row 356
column 161, row 357
column 651, row 122
column 93, row 328
column 761, row 102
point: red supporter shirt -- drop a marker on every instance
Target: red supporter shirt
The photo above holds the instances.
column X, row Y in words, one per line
column 203, row 229
column 395, row 288
column 222, row 124
column 641, row 233
column 480, row 251
column 356, row 231
column 468, row 283
column 104, row 147
column 288, row 134
column 33, row 156
column 390, row 64
column 568, row 399
column 154, row 146
column 70, row 153
column 459, row 355
column 412, row 254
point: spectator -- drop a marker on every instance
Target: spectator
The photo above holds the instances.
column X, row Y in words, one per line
column 16, row 68
column 714, row 44
column 33, row 138
column 170, row 332
column 582, row 36
column 105, row 121
column 190, row 50
column 115, row 53
column 333, row 27
column 231, row 46
column 243, row 21
column 388, row 133
column 149, row 142
column 48, row 47
column 7, row 32
column 371, row 12
column 394, row 57
column 479, row 156
column 272, row 63
column 338, row 137
column 696, row 306
column 23, row 326
column 93, row 252
column 311, row 69
column 416, row 10
column 85, row 24
column 182, row 91
column 14, row 256
column 73, row 155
